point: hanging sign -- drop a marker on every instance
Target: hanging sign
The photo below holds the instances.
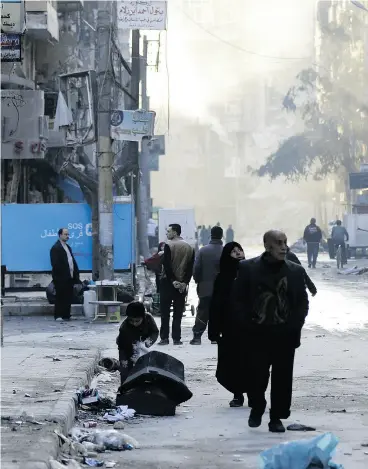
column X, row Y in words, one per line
column 10, row 48
column 12, row 16
column 142, row 15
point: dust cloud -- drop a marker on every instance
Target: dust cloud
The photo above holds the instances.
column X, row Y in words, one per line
column 224, row 68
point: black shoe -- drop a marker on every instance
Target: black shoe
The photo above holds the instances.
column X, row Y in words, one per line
column 276, row 426
column 164, row 342
column 255, row 420
column 178, row 342
column 238, row 401
column 196, row 341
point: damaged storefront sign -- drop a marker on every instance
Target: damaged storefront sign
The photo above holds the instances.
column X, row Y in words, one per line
column 12, row 16
column 11, row 48
column 24, row 125
column 132, row 125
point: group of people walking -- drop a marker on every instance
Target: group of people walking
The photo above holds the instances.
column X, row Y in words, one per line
column 204, row 234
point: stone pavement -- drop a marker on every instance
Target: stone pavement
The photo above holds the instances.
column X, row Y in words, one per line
column 49, row 376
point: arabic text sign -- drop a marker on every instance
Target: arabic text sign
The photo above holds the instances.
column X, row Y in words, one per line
column 11, row 48
column 30, row 230
column 142, row 15
column 12, row 16
column 132, row 125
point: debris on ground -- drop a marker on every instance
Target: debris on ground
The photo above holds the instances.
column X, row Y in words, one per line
column 119, row 425
column 298, row 427
column 71, row 464
column 93, row 462
column 87, row 396
column 354, row 271
column 340, row 411
column 107, row 439
column 110, row 464
column 121, row 413
column 303, row 454
column 111, row 364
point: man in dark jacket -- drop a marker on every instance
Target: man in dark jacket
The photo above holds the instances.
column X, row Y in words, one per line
column 206, row 268
column 313, row 237
column 178, row 260
column 271, row 304
column 65, row 274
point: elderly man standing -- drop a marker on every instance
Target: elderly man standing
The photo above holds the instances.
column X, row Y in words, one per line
column 271, row 304
column 206, row 268
column 65, row 274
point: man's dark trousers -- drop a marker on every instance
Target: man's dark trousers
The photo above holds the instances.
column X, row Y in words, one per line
column 171, row 296
column 312, row 252
column 64, row 298
column 202, row 317
column 269, row 350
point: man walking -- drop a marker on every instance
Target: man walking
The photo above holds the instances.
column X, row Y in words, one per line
column 178, row 260
column 65, row 274
column 339, row 236
column 313, row 237
column 230, row 235
column 206, row 268
column 271, row 304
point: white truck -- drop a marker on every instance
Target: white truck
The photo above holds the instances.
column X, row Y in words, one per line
column 357, row 227
column 183, row 217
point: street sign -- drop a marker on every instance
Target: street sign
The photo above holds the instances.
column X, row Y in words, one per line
column 12, row 16
column 10, row 47
column 358, row 180
column 149, row 15
column 132, row 126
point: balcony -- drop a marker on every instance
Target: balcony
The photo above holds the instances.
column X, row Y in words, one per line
column 42, row 20
column 67, row 6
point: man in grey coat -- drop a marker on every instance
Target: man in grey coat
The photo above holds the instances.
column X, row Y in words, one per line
column 206, row 268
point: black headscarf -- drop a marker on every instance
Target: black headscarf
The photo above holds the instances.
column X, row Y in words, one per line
column 229, row 265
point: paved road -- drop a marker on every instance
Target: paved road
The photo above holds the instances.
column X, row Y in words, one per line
column 330, row 376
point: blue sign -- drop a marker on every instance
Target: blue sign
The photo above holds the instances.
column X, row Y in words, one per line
column 30, row 230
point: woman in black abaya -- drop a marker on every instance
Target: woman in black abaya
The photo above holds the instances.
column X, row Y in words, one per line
column 222, row 330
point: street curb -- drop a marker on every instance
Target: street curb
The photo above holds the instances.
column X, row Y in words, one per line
column 61, row 418
column 26, row 309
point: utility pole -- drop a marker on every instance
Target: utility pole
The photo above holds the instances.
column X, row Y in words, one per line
column 144, row 157
column 105, row 157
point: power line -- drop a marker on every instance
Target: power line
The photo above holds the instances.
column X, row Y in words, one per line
column 235, row 46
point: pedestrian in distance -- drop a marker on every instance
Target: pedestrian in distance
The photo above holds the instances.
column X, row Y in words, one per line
column 231, row 370
column 340, row 237
column 178, row 260
column 65, row 274
column 206, row 268
column 138, row 326
column 271, row 304
column 290, row 256
column 230, row 234
column 313, row 237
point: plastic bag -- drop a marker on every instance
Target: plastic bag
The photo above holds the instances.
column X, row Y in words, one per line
column 303, row 454
column 112, row 440
column 139, row 349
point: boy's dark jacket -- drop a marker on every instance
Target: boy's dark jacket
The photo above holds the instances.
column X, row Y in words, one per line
column 129, row 335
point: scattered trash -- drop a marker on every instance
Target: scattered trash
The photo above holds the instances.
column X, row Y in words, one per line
column 93, row 462
column 87, row 396
column 90, row 424
column 110, row 440
column 303, row 454
column 69, row 464
column 92, row 447
column 343, row 411
column 348, row 454
column 119, row 425
column 298, row 427
column 139, row 349
column 121, row 413
column 27, row 395
column 110, row 464
column 111, row 364
column 364, row 445
column 14, row 391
